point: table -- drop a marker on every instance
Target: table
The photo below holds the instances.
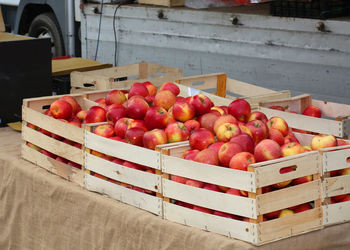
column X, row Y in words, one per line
column 39, row 210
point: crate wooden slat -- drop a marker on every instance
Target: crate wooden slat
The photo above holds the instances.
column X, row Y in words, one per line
column 112, row 78
column 337, row 123
column 167, row 3
column 253, row 207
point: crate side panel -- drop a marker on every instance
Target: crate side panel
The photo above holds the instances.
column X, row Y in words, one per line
column 336, row 213
column 336, row 185
column 335, row 160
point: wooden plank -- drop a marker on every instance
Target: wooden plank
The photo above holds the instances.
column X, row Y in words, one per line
column 167, row 3
column 334, row 160
column 143, row 70
column 289, row 226
column 157, row 70
column 221, row 85
column 123, row 150
column 288, row 197
column 255, row 100
column 85, row 80
column 332, row 109
column 208, row 173
column 137, row 199
column 336, row 213
column 228, row 203
column 291, row 103
column 58, row 127
column 2, row 24
column 245, row 89
column 318, row 125
column 229, row 227
column 52, row 145
column 336, row 185
column 306, row 164
column 4, row 37
column 205, row 82
column 64, row 170
column 120, row 173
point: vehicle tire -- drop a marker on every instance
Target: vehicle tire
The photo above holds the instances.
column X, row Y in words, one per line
column 46, row 26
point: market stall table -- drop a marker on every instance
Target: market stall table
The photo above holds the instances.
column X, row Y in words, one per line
column 39, row 210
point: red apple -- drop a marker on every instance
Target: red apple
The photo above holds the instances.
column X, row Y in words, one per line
column 323, row 141
column 105, row 130
column 216, row 146
column 95, row 114
column 302, row 180
column 258, row 129
column 279, row 124
column 73, row 164
column 240, row 109
column 138, row 89
column 61, row 109
column 192, row 125
column 47, row 153
column 224, row 119
column 152, row 90
column 234, row 191
column 201, row 103
column 138, row 124
column 134, row 136
column 207, row 156
column 267, row 150
column 292, row 148
column 290, row 138
column 273, row 215
column 69, row 142
column 60, row 159
column 217, row 110
column 101, row 103
column 257, row 115
column 183, row 111
column 283, row 184
column 226, row 215
column 190, row 154
column 244, row 129
column 227, row 151
column 156, row 117
column 82, row 114
column 344, row 171
column 201, row 138
column 137, row 108
column 226, row 131
column 277, row 136
column 72, row 102
column 178, row 179
column 184, row 204
column 170, row 86
column 133, row 165
column 194, row 183
column 245, row 141
column 203, row 209
column 154, row 137
column 207, row 121
column 302, row 208
column 177, row 131
column 121, row 126
column 114, row 114
column 164, row 99
column 115, row 96
column 241, row 161
column 341, row 142
column 277, row 107
column 312, row 110
column 212, row 187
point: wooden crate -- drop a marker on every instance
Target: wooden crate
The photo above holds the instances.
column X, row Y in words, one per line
column 32, row 112
column 219, row 84
column 256, row 231
column 112, row 78
column 119, row 174
column 333, row 159
column 168, row 3
column 337, row 122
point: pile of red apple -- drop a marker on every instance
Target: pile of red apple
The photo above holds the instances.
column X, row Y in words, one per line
column 65, row 109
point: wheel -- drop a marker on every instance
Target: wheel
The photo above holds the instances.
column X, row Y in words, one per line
column 46, row 26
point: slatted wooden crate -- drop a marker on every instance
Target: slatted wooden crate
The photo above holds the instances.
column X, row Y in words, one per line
column 32, row 112
column 167, row 3
column 219, row 84
column 333, row 159
column 262, row 174
column 335, row 116
column 123, row 76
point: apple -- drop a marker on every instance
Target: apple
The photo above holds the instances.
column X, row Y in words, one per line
column 207, row 156
column 346, row 198
column 183, row 111
column 150, row 99
column 178, row 179
column 69, row 142
column 133, row 165
column 313, row 111
column 203, row 209
column 227, row 151
column 190, row 154
column 279, row 124
column 240, row 109
column 115, row 96
column 302, row 180
column 177, row 131
column 292, row 148
column 192, row 125
column 201, row 103
column 290, row 138
column 82, row 114
column 285, row 212
column 283, row 184
column 273, row 215
column 207, row 121
column 344, row 171
column 47, row 153
column 277, row 136
column 216, row 146
column 121, row 126
column 75, row 121
column 341, row 142
column 171, row 87
column 73, row 164
column 61, row 109
column 118, row 161
column 224, row 119
column 194, row 183
column 212, row 187
column 245, row 141
column 257, row 115
column 72, row 102
column 96, row 153
column 164, row 99
column 31, row 145
column 258, row 129
column 267, row 150
column 323, row 141
column 138, row 89
column 307, row 148
column 45, row 132
column 234, row 191
column 184, row 204
column 138, row 189
column 134, row 136
column 152, row 90
column 226, row 215
column 105, row 130
column 241, row 161
column 226, row 131
column 95, row 114
column 201, row 138
column 60, row 159
column 136, row 108
column 244, row 129
column 114, row 114
column 101, row 102
column 302, row 208
column 277, row 107
column 138, row 124
column 217, row 110
column 156, row 117
column 154, row 137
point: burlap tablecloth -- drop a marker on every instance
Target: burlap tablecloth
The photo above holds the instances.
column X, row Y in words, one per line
column 39, row 210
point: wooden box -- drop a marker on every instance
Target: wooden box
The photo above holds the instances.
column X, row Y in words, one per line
column 260, row 175
column 167, row 3
column 123, row 76
column 335, row 117
column 33, row 113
